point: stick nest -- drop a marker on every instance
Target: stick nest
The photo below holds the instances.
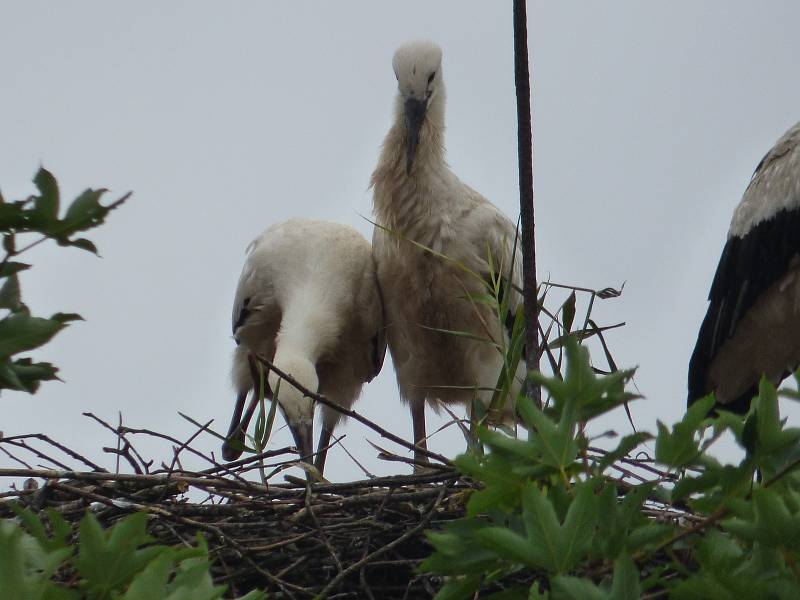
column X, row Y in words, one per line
column 363, row 539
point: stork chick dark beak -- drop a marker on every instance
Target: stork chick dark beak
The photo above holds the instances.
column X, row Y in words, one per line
column 234, row 440
column 415, row 115
column 303, row 438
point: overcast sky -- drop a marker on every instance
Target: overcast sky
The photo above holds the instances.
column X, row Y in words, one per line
column 649, row 119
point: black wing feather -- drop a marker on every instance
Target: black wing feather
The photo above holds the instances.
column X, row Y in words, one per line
column 244, row 313
column 749, row 265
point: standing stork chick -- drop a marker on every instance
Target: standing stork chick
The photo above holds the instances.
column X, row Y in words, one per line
column 752, row 327
column 419, row 202
column 308, row 302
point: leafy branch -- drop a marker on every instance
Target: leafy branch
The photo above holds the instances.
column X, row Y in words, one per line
column 119, row 562
column 38, row 215
column 549, row 523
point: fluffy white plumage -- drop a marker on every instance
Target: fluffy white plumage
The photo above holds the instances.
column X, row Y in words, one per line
column 307, row 301
column 418, row 198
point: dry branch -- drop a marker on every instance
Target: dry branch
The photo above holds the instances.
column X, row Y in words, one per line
column 357, row 539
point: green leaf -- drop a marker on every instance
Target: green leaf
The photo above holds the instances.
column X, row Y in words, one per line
column 458, row 550
column 66, row 317
column 502, row 482
column 534, row 593
column 732, row 422
column 12, row 561
column 20, row 332
column 28, row 374
column 8, row 376
column 31, row 523
column 493, row 496
column 515, row 593
column 626, row 444
column 128, row 533
column 13, row 216
column 511, row 546
column 559, row 547
column 46, row 204
column 152, row 581
column 774, row 525
column 680, row 447
column 568, row 311
column 626, row 584
column 10, row 244
column 84, row 213
column 10, row 297
column 109, row 559
column 254, row 595
column 92, row 546
column 622, row 526
column 193, row 582
column 649, row 534
column 11, row 267
column 555, row 443
column 719, row 552
column 459, row 588
column 582, row 395
column 62, row 530
column 576, row 588
column 81, row 243
column 576, row 533
column 85, row 208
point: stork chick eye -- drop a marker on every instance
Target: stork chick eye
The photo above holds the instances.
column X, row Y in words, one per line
column 431, row 76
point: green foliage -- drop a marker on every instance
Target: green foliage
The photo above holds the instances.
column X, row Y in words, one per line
column 120, row 562
column 548, row 515
column 38, row 217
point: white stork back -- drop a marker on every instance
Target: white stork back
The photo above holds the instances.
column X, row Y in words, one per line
column 752, row 327
column 419, row 199
column 308, row 302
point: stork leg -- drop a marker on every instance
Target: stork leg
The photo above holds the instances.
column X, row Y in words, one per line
column 258, row 392
column 322, row 448
column 330, row 419
column 420, row 438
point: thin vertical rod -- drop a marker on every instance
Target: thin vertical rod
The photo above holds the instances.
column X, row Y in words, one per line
column 526, row 197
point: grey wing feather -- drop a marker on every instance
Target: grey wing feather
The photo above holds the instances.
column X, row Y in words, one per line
column 379, row 339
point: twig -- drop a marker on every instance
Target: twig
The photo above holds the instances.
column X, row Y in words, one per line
column 14, row 458
column 353, row 414
column 353, row 458
column 44, row 438
column 185, row 444
column 124, row 454
column 120, row 433
column 408, row 534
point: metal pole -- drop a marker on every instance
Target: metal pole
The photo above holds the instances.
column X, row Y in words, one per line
column 525, row 152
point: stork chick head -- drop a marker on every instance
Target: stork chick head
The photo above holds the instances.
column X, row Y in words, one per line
column 418, row 68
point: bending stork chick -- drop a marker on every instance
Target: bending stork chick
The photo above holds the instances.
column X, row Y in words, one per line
column 752, row 327
column 421, row 205
column 308, row 302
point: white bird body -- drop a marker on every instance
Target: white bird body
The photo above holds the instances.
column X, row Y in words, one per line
column 418, row 201
column 308, row 302
column 752, row 327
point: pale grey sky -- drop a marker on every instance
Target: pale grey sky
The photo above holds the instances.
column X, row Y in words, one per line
column 225, row 118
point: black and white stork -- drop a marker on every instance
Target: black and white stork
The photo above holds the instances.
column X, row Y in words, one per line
column 752, row 327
